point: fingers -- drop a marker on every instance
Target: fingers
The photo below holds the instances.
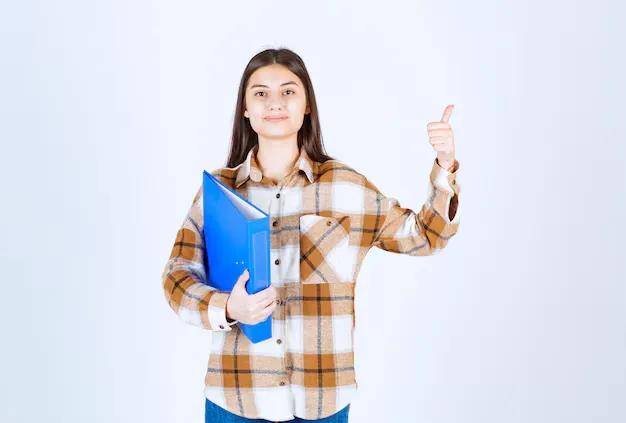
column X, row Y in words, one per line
column 268, row 310
column 258, row 306
column 265, row 296
column 437, row 125
column 265, row 303
column 440, row 132
column 438, row 140
column 447, row 113
column 262, row 314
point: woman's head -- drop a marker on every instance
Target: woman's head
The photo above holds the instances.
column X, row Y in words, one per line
column 276, row 83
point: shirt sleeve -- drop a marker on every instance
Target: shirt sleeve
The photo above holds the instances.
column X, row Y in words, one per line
column 185, row 276
column 426, row 232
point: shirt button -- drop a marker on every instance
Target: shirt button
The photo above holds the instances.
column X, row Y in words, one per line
column 277, row 261
column 278, row 195
column 221, row 326
column 278, row 341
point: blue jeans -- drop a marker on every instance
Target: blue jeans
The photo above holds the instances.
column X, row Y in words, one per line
column 215, row 414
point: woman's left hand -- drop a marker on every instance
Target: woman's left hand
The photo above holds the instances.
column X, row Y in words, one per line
column 441, row 137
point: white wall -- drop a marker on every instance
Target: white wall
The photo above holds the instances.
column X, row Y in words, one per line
column 110, row 110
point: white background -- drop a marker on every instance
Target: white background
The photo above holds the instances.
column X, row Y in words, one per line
column 110, row 110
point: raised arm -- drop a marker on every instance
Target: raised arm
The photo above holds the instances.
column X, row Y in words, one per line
column 404, row 231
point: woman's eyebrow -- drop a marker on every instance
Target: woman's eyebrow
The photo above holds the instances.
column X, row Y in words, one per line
column 265, row 86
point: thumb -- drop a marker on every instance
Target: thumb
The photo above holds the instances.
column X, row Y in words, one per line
column 447, row 113
column 241, row 282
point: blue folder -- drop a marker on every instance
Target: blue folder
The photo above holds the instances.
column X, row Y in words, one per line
column 237, row 237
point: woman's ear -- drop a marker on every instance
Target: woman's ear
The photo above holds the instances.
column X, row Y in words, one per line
column 245, row 113
column 307, row 110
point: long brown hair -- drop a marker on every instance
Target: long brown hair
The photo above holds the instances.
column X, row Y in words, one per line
column 310, row 134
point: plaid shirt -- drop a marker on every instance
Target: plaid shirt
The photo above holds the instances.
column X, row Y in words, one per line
column 324, row 219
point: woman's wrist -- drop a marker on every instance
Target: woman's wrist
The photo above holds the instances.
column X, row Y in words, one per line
column 447, row 166
column 228, row 318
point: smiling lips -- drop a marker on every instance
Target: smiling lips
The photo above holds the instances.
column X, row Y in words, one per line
column 275, row 118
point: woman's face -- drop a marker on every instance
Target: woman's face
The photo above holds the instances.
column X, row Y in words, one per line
column 274, row 91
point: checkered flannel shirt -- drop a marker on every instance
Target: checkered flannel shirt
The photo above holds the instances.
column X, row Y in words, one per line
column 324, row 218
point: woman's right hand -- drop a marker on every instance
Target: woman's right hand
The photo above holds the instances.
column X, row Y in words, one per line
column 250, row 309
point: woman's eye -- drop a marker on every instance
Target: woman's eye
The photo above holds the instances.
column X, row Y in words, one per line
column 263, row 92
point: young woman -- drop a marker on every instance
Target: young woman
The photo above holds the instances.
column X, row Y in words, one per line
column 324, row 217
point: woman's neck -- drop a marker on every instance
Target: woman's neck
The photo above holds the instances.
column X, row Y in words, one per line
column 276, row 157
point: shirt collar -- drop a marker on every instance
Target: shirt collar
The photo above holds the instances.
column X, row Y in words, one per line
column 250, row 168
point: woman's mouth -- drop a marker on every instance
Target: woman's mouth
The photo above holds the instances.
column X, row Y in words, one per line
column 275, row 118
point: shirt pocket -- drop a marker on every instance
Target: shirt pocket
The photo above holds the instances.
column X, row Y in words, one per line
column 325, row 252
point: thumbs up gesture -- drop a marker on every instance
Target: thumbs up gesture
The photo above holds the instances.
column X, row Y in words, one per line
column 441, row 137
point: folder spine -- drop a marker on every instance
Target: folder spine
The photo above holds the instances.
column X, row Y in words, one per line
column 235, row 242
column 259, row 239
